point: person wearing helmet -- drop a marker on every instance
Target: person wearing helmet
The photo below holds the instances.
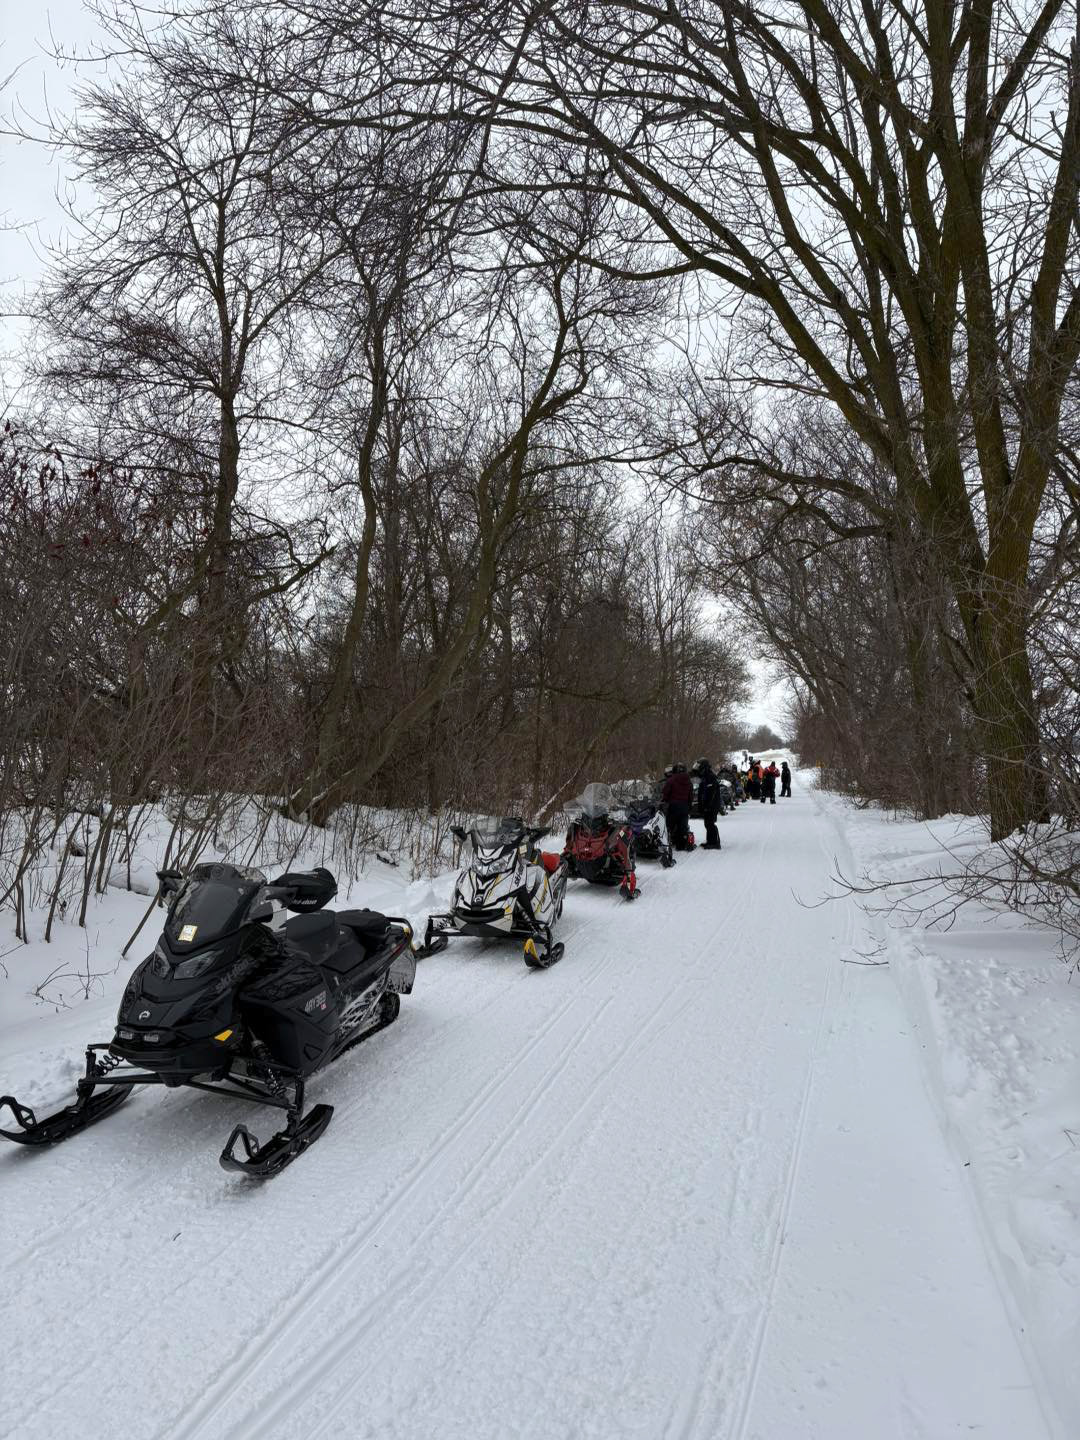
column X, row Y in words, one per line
column 709, row 800
column 677, row 793
column 785, row 780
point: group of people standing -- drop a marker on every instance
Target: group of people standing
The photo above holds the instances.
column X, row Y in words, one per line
column 756, row 782
column 759, row 780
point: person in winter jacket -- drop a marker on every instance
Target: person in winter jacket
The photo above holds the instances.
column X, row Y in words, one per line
column 677, row 793
column 785, row 780
column 709, row 800
column 753, row 781
column 769, row 777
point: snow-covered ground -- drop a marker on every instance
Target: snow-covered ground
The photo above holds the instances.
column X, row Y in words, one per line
column 691, row 1182
column 996, row 1015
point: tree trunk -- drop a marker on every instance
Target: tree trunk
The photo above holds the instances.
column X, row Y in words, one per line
column 1004, row 701
column 214, row 605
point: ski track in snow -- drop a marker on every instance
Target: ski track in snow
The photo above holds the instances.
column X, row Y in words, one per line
column 635, row 1195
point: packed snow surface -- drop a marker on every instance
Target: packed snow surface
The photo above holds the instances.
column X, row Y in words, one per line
column 690, row 1182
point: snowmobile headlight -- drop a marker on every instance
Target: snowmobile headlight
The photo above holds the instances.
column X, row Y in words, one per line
column 188, row 969
column 158, row 964
column 132, row 988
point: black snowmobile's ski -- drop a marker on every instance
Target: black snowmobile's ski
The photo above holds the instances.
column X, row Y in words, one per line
column 263, row 1162
column 87, row 1110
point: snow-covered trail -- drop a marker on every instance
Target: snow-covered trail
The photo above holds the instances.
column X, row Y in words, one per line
column 685, row 1184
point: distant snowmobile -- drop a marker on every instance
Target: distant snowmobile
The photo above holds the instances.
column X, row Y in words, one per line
column 649, row 829
column 509, row 888
column 600, row 843
column 239, row 1001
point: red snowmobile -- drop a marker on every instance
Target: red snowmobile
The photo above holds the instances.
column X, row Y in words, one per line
column 600, row 844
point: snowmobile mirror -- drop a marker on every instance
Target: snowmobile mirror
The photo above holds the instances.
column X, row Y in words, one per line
column 458, row 831
column 170, row 881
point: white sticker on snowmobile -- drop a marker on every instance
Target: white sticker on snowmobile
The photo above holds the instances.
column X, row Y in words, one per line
column 188, row 932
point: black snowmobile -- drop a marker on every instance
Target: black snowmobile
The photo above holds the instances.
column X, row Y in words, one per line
column 239, row 1001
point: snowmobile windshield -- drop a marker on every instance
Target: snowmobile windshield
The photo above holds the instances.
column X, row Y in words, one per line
column 594, row 801
column 507, row 834
column 495, row 855
column 213, row 905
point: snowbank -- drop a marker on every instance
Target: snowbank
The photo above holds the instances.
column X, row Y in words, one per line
column 998, row 1022
column 379, row 858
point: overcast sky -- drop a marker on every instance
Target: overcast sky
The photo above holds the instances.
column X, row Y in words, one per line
column 31, row 216
column 30, row 213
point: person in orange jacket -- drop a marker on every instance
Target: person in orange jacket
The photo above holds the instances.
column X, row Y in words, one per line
column 753, row 780
column 769, row 777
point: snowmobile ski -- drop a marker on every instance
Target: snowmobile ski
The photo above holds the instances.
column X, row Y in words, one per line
column 542, row 959
column 86, row 1110
column 433, row 943
column 263, row 1162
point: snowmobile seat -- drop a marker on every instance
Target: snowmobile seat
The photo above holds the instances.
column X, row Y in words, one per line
column 369, row 927
column 316, row 934
column 357, row 967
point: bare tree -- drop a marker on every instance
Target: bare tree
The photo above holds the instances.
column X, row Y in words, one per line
column 174, row 319
column 879, row 203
